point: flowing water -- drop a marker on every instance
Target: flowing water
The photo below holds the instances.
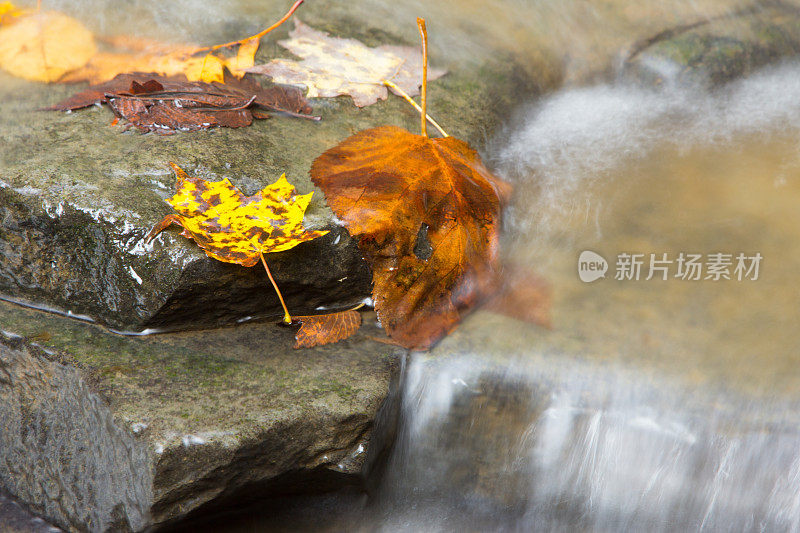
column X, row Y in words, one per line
column 651, row 405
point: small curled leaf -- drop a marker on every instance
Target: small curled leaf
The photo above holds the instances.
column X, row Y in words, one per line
column 317, row 330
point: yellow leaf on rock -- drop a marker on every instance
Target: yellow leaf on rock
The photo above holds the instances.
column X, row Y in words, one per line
column 45, row 46
column 208, row 68
column 235, row 228
column 139, row 55
column 245, row 58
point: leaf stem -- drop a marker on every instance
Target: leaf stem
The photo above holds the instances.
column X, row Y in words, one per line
column 287, row 318
column 424, row 90
column 258, row 35
column 411, row 101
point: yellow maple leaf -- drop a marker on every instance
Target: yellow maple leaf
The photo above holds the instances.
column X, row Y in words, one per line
column 235, row 228
column 44, row 46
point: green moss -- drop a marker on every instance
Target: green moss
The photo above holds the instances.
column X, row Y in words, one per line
column 343, row 390
column 725, row 49
column 227, row 379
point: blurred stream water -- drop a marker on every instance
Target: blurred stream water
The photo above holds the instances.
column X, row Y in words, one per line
column 651, row 405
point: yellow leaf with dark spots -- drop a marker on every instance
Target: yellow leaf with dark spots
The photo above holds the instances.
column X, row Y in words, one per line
column 235, row 228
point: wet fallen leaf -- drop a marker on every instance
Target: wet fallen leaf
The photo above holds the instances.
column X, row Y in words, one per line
column 44, row 46
column 523, row 295
column 133, row 54
column 245, row 57
column 165, row 104
column 53, row 47
column 235, row 228
column 426, row 212
column 333, row 66
column 317, row 330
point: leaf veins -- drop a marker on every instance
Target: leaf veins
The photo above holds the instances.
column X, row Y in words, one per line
column 158, row 103
column 427, row 215
column 317, row 330
column 235, row 228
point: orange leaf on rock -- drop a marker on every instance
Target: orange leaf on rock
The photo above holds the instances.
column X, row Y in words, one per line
column 427, row 215
column 317, row 330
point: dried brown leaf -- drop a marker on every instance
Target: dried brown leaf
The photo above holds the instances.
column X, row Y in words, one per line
column 165, row 104
column 317, row 330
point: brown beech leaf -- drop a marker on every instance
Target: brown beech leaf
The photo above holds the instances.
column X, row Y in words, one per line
column 524, row 295
column 165, row 104
column 317, row 330
column 427, row 213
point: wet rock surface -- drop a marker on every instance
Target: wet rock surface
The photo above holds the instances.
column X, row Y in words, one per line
column 717, row 50
column 77, row 196
column 104, row 432
column 17, row 519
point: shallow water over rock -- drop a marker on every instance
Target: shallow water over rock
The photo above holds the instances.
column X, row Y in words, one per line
column 652, row 404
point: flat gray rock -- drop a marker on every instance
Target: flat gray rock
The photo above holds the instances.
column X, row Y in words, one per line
column 103, row 432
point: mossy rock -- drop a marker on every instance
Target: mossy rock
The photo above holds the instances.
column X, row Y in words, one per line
column 714, row 52
column 104, row 432
column 77, row 196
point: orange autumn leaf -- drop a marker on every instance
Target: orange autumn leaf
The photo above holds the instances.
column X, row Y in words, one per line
column 44, row 46
column 235, row 228
column 317, row 330
column 427, row 215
